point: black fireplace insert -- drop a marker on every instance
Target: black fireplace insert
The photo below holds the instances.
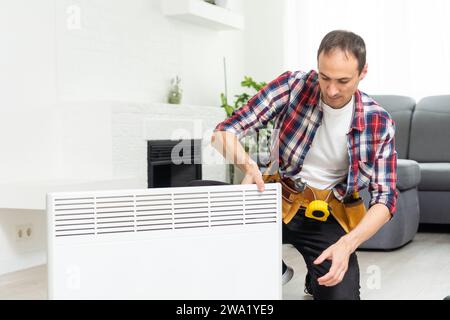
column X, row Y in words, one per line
column 173, row 163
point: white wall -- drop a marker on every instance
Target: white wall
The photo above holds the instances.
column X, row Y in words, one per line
column 65, row 63
column 120, row 50
column 27, row 82
column 27, row 128
column 407, row 41
column 264, row 38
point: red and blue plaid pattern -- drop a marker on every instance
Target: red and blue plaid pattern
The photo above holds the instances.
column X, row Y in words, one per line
column 292, row 101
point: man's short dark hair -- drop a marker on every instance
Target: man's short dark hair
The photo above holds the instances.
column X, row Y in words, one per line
column 346, row 41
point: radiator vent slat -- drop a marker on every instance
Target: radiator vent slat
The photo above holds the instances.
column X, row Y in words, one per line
column 150, row 210
column 69, row 210
column 153, row 209
column 153, row 213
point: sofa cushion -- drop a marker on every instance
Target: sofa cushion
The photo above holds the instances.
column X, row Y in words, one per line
column 401, row 228
column 408, row 174
column 400, row 108
column 430, row 130
column 435, row 176
column 434, row 207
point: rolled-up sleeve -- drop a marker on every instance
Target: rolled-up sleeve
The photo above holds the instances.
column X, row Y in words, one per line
column 384, row 179
column 260, row 109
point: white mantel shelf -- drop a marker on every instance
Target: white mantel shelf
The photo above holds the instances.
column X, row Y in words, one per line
column 203, row 13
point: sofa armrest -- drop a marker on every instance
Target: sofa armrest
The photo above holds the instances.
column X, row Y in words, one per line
column 408, row 174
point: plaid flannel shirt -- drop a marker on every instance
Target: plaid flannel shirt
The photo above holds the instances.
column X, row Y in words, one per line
column 292, row 101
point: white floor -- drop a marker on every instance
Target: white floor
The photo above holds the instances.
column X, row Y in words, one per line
column 420, row 270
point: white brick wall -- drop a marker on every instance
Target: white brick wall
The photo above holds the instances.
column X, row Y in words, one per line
column 133, row 125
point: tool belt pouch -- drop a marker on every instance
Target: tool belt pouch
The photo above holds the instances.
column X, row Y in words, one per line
column 354, row 211
column 291, row 199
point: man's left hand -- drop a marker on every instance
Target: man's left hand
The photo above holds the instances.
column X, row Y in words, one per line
column 339, row 254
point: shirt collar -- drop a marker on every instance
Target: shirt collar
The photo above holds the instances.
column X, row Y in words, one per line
column 358, row 122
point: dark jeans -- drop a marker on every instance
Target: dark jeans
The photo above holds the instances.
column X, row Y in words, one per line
column 311, row 237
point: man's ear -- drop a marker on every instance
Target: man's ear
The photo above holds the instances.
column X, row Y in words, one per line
column 363, row 72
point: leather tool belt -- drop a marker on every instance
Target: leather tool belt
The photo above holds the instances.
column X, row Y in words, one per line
column 347, row 213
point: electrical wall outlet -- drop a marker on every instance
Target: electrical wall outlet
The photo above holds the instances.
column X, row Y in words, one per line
column 24, row 232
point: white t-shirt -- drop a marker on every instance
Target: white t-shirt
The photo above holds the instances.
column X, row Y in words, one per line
column 327, row 161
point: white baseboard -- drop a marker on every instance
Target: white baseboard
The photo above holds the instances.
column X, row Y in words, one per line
column 23, row 261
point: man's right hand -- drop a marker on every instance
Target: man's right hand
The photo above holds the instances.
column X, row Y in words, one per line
column 253, row 175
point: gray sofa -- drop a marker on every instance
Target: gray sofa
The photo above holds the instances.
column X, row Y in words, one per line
column 423, row 146
column 403, row 226
column 430, row 147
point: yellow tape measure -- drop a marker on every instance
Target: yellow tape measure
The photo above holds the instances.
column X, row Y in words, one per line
column 318, row 209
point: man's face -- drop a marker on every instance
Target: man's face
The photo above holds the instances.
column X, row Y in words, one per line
column 338, row 77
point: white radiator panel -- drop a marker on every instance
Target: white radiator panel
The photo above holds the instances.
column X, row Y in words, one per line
column 215, row 242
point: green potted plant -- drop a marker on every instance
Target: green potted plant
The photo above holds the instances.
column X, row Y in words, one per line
column 175, row 92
